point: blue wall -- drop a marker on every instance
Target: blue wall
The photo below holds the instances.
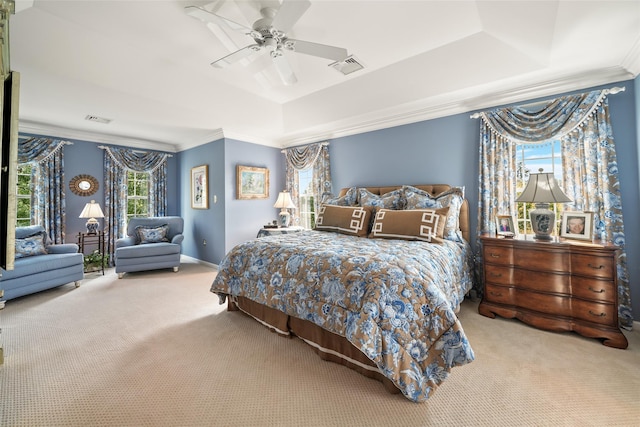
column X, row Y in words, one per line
column 204, row 224
column 441, row 151
column 229, row 221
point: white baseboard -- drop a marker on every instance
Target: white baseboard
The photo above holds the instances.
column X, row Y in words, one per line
column 198, row 261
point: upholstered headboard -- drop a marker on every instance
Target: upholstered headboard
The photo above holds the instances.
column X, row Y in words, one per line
column 434, row 190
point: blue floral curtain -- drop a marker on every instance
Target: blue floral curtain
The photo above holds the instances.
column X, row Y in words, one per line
column 117, row 161
column 581, row 122
column 305, row 157
column 48, row 206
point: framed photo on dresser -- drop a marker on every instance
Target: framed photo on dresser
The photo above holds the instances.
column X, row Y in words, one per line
column 577, row 225
column 504, row 226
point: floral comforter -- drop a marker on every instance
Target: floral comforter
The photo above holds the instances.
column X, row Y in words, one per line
column 394, row 300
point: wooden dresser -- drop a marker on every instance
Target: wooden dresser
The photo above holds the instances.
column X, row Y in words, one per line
column 557, row 286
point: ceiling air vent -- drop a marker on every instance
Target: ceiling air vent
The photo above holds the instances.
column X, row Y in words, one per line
column 347, row 66
column 97, row 119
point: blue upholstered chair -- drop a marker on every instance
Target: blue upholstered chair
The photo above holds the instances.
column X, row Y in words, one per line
column 151, row 244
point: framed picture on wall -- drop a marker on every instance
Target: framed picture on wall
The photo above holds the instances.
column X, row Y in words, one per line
column 577, row 225
column 252, row 182
column 199, row 187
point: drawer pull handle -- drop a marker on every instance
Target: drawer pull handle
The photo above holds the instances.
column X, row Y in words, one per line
column 599, row 267
column 597, row 292
column 495, row 255
column 597, row 315
column 496, row 294
column 496, row 274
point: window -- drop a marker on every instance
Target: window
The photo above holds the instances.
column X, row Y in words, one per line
column 529, row 159
column 306, row 199
column 137, row 194
column 23, row 215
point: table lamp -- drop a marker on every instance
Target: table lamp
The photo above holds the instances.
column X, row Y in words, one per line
column 284, row 202
column 542, row 189
column 92, row 211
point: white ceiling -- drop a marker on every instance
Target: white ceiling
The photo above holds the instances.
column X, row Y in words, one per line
column 145, row 65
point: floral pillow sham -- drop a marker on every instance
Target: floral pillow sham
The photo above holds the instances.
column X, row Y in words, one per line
column 152, row 234
column 30, row 246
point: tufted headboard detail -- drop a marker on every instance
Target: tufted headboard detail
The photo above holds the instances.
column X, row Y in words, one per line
column 434, row 190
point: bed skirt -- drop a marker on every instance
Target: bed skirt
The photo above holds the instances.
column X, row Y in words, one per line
column 327, row 345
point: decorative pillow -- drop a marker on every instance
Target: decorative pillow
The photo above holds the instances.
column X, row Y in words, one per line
column 353, row 220
column 426, row 225
column 349, row 199
column 391, row 200
column 30, row 246
column 452, row 198
column 152, row 234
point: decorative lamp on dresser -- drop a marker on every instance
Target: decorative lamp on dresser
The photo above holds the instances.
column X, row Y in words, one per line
column 554, row 285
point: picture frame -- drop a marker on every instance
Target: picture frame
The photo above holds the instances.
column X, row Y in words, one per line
column 505, row 226
column 577, row 225
column 252, row 182
column 200, row 187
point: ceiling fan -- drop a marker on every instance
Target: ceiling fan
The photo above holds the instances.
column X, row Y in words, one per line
column 269, row 34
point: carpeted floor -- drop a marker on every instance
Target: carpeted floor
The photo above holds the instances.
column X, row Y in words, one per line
column 156, row 349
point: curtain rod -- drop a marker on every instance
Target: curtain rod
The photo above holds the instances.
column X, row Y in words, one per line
column 611, row 91
column 104, row 147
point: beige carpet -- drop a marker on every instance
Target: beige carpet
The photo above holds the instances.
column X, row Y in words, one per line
column 156, row 349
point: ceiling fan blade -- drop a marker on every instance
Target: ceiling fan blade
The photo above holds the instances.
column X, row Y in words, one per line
column 316, row 49
column 206, row 16
column 289, row 13
column 284, row 68
column 236, row 56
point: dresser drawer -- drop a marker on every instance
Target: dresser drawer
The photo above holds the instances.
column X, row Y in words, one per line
column 592, row 265
column 603, row 314
column 556, row 283
column 499, row 274
column 498, row 255
column 594, row 289
column 500, row 294
column 543, row 260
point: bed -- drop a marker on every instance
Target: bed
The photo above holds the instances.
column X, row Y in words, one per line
column 364, row 294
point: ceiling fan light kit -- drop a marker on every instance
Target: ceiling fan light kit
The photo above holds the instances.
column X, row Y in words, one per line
column 269, row 33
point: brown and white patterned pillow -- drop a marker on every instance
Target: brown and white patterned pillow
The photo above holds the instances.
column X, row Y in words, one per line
column 353, row 220
column 426, row 225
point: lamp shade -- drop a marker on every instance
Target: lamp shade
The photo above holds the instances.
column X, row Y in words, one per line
column 91, row 210
column 284, row 201
column 542, row 188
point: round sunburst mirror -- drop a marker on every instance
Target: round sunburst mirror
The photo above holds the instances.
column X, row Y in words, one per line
column 83, row 185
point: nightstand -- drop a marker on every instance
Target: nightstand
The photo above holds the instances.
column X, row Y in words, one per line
column 280, row 230
column 557, row 286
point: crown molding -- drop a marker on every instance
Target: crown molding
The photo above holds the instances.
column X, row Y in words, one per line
column 464, row 101
column 26, row 126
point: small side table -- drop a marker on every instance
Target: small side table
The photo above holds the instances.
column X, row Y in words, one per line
column 98, row 239
column 281, row 230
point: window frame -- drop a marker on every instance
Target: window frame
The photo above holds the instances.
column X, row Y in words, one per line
column 137, row 197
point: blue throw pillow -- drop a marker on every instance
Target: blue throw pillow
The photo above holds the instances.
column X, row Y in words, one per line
column 30, row 246
column 152, row 234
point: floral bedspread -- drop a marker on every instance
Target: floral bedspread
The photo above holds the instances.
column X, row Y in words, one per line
column 394, row 300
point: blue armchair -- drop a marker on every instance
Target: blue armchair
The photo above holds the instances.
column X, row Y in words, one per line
column 151, row 244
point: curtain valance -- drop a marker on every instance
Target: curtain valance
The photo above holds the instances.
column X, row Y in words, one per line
column 39, row 150
column 303, row 157
column 136, row 160
column 557, row 118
